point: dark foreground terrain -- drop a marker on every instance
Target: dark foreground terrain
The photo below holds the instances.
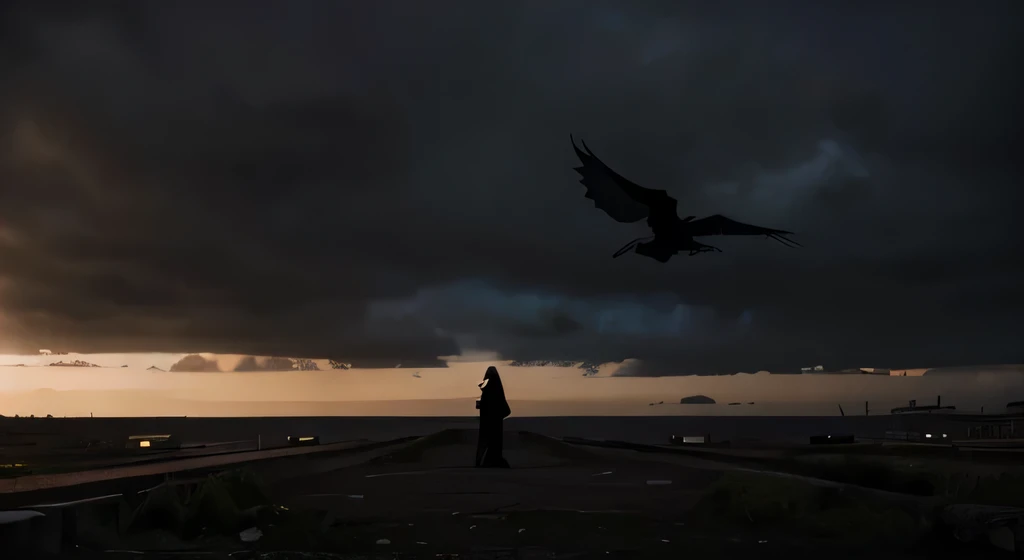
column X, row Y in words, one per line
column 416, row 498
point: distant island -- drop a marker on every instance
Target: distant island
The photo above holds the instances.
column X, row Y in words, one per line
column 153, row 368
column 697, row 399
column 73, row 363
column 339, row 365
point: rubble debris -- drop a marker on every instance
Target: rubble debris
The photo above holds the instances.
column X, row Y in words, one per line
column 252, row 534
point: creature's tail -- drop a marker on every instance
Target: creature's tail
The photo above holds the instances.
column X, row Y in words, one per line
column 702, row 248
column 783, row 239
column 628, row 246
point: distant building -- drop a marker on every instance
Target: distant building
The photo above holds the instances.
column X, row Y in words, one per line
column 162, row 441
column 991, row 430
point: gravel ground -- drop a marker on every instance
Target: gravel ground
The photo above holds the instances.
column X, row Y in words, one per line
column 420, row 501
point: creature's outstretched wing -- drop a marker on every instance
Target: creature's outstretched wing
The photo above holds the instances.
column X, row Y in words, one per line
column 720, row 225
column 620, row 198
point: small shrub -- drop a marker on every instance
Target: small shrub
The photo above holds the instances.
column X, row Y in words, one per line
column 1007, row 489
column 161, row 509
column 244, row 487
column 779, row 503
column 211, row 510
column 871, row 473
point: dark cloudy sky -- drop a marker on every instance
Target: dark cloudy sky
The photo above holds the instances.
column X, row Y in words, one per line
column 385, row 182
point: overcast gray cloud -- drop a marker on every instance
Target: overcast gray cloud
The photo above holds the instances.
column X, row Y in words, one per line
column 384, row 182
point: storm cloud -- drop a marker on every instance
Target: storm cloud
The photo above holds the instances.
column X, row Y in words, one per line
column 391, row 182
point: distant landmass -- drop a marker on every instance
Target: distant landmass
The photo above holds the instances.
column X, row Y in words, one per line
column 198, row 363
column 904, row 372
column 397, row 362
column 305, row 365
column 912, row 372
column 697, row 399
column 542, row 363
column 153, row 368
column 589, row 368
column 339, row 365
column 967, row 370
column 820, row 370
column 251, row 363
column 73, row 363
column 195, row 363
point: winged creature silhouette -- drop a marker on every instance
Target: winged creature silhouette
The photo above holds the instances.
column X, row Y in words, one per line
column 627, row 202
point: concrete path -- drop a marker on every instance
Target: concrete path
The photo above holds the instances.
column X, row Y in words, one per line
column 543, row 477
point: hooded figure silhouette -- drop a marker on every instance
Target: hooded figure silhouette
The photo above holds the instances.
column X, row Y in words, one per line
column 493, row 411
